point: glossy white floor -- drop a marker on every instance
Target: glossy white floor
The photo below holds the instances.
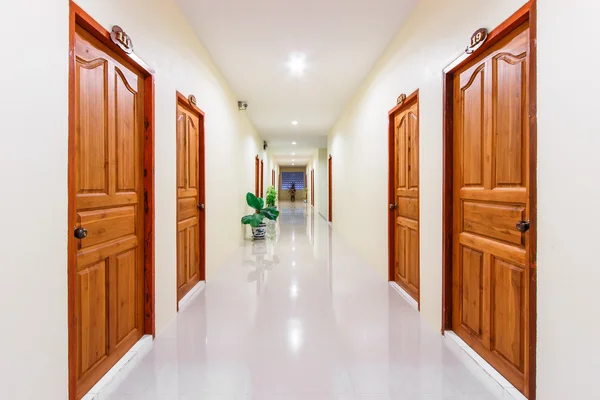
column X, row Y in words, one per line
column 299, row 316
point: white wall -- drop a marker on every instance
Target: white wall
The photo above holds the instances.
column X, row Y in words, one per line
column 33, row 165
column 33, row 205
column 568, row 165
column 435, row 34
column 321, row 183
column 568, row 200
column 319, row 164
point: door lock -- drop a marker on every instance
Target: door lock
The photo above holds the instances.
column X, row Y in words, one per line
column 200, row 206
column 80, row 233
column 523, row 226
column 394, row 206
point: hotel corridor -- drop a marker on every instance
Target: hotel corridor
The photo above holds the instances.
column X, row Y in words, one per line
column 298, row 316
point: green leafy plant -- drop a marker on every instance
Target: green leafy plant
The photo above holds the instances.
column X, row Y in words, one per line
column 271, row 196
column 254, row 220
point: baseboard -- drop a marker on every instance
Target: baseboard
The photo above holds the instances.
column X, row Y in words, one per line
column 198, row 287
column 406, row 296
column 483, row 370
column 120, row 370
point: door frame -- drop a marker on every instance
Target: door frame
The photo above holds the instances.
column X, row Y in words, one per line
column 79, row 17
column 312, row 187
column 524, row 14
column 414, row 96
column 330, row 184
column 181, row 99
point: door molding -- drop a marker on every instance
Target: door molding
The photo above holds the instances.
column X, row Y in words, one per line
column 79, row 17
column 180, row 99
column 524, row 14
column 408, row 101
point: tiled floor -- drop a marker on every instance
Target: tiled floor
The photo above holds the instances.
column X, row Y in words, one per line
column 299, row 316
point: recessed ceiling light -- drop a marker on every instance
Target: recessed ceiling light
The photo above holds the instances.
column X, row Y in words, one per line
column 293, row 154
column 297, row 63
column 293, row 143
column 294, row 122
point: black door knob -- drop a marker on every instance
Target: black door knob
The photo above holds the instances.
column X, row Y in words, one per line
column 200, row 206
column 523, row 226
column 80, row 233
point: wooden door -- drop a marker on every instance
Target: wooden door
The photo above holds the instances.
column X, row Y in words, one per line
column 406, row 201
column 312, row 187
column 490, row 272
column 190, row 197
column 257, row 176
column 330, row 183
column 108, row 112
column 262, row 178
column 273, row 177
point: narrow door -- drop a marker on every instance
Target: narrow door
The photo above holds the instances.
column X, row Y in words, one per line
column 109, row 209
column 330, row 178
column 190, row 203
column 490, row 272
column 257, row 176
column 406, row 205
column 262, row 178
column 273, row 177
column 312, row 187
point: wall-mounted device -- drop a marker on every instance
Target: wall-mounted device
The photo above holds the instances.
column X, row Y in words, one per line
column 265, row 145
column 242, row 105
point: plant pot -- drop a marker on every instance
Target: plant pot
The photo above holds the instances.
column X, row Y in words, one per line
column 259, row 232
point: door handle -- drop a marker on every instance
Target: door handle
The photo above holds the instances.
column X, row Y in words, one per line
column 80, row 233
column 394, row 206
column 523, row 226
column 200, row 207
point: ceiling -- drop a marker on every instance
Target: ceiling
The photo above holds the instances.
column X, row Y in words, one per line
column 252, row 41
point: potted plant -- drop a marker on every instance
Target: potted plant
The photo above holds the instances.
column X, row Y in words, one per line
column 271, row 196
column 259, row 228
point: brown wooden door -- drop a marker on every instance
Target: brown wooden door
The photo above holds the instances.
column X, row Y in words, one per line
column 490, row 272
column 312, row 187
column 257, row 176
column 108, row 203
column 406, row 178
column 262, row 178
column 273, row 177
column 190, row 203
column 330, row 178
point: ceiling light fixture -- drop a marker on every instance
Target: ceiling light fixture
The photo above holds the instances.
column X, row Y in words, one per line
column 293, row 154
column 294, row 143
column 294, row 122
column 297, row 63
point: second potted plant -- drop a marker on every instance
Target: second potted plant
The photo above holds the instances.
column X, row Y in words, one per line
column 271, row 196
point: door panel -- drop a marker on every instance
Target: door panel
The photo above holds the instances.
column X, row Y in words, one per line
column 406, row 178
column 491, row 136
column 188, row 199
column 109, row 288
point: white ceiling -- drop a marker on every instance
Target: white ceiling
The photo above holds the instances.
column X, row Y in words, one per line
column 251, row 42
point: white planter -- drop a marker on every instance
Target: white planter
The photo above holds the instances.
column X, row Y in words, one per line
column 259, row 232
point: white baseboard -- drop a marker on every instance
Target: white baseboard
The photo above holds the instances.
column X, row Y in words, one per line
column 120, row 370
column 483, row 370
column 195, row 290
column 406, row 296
